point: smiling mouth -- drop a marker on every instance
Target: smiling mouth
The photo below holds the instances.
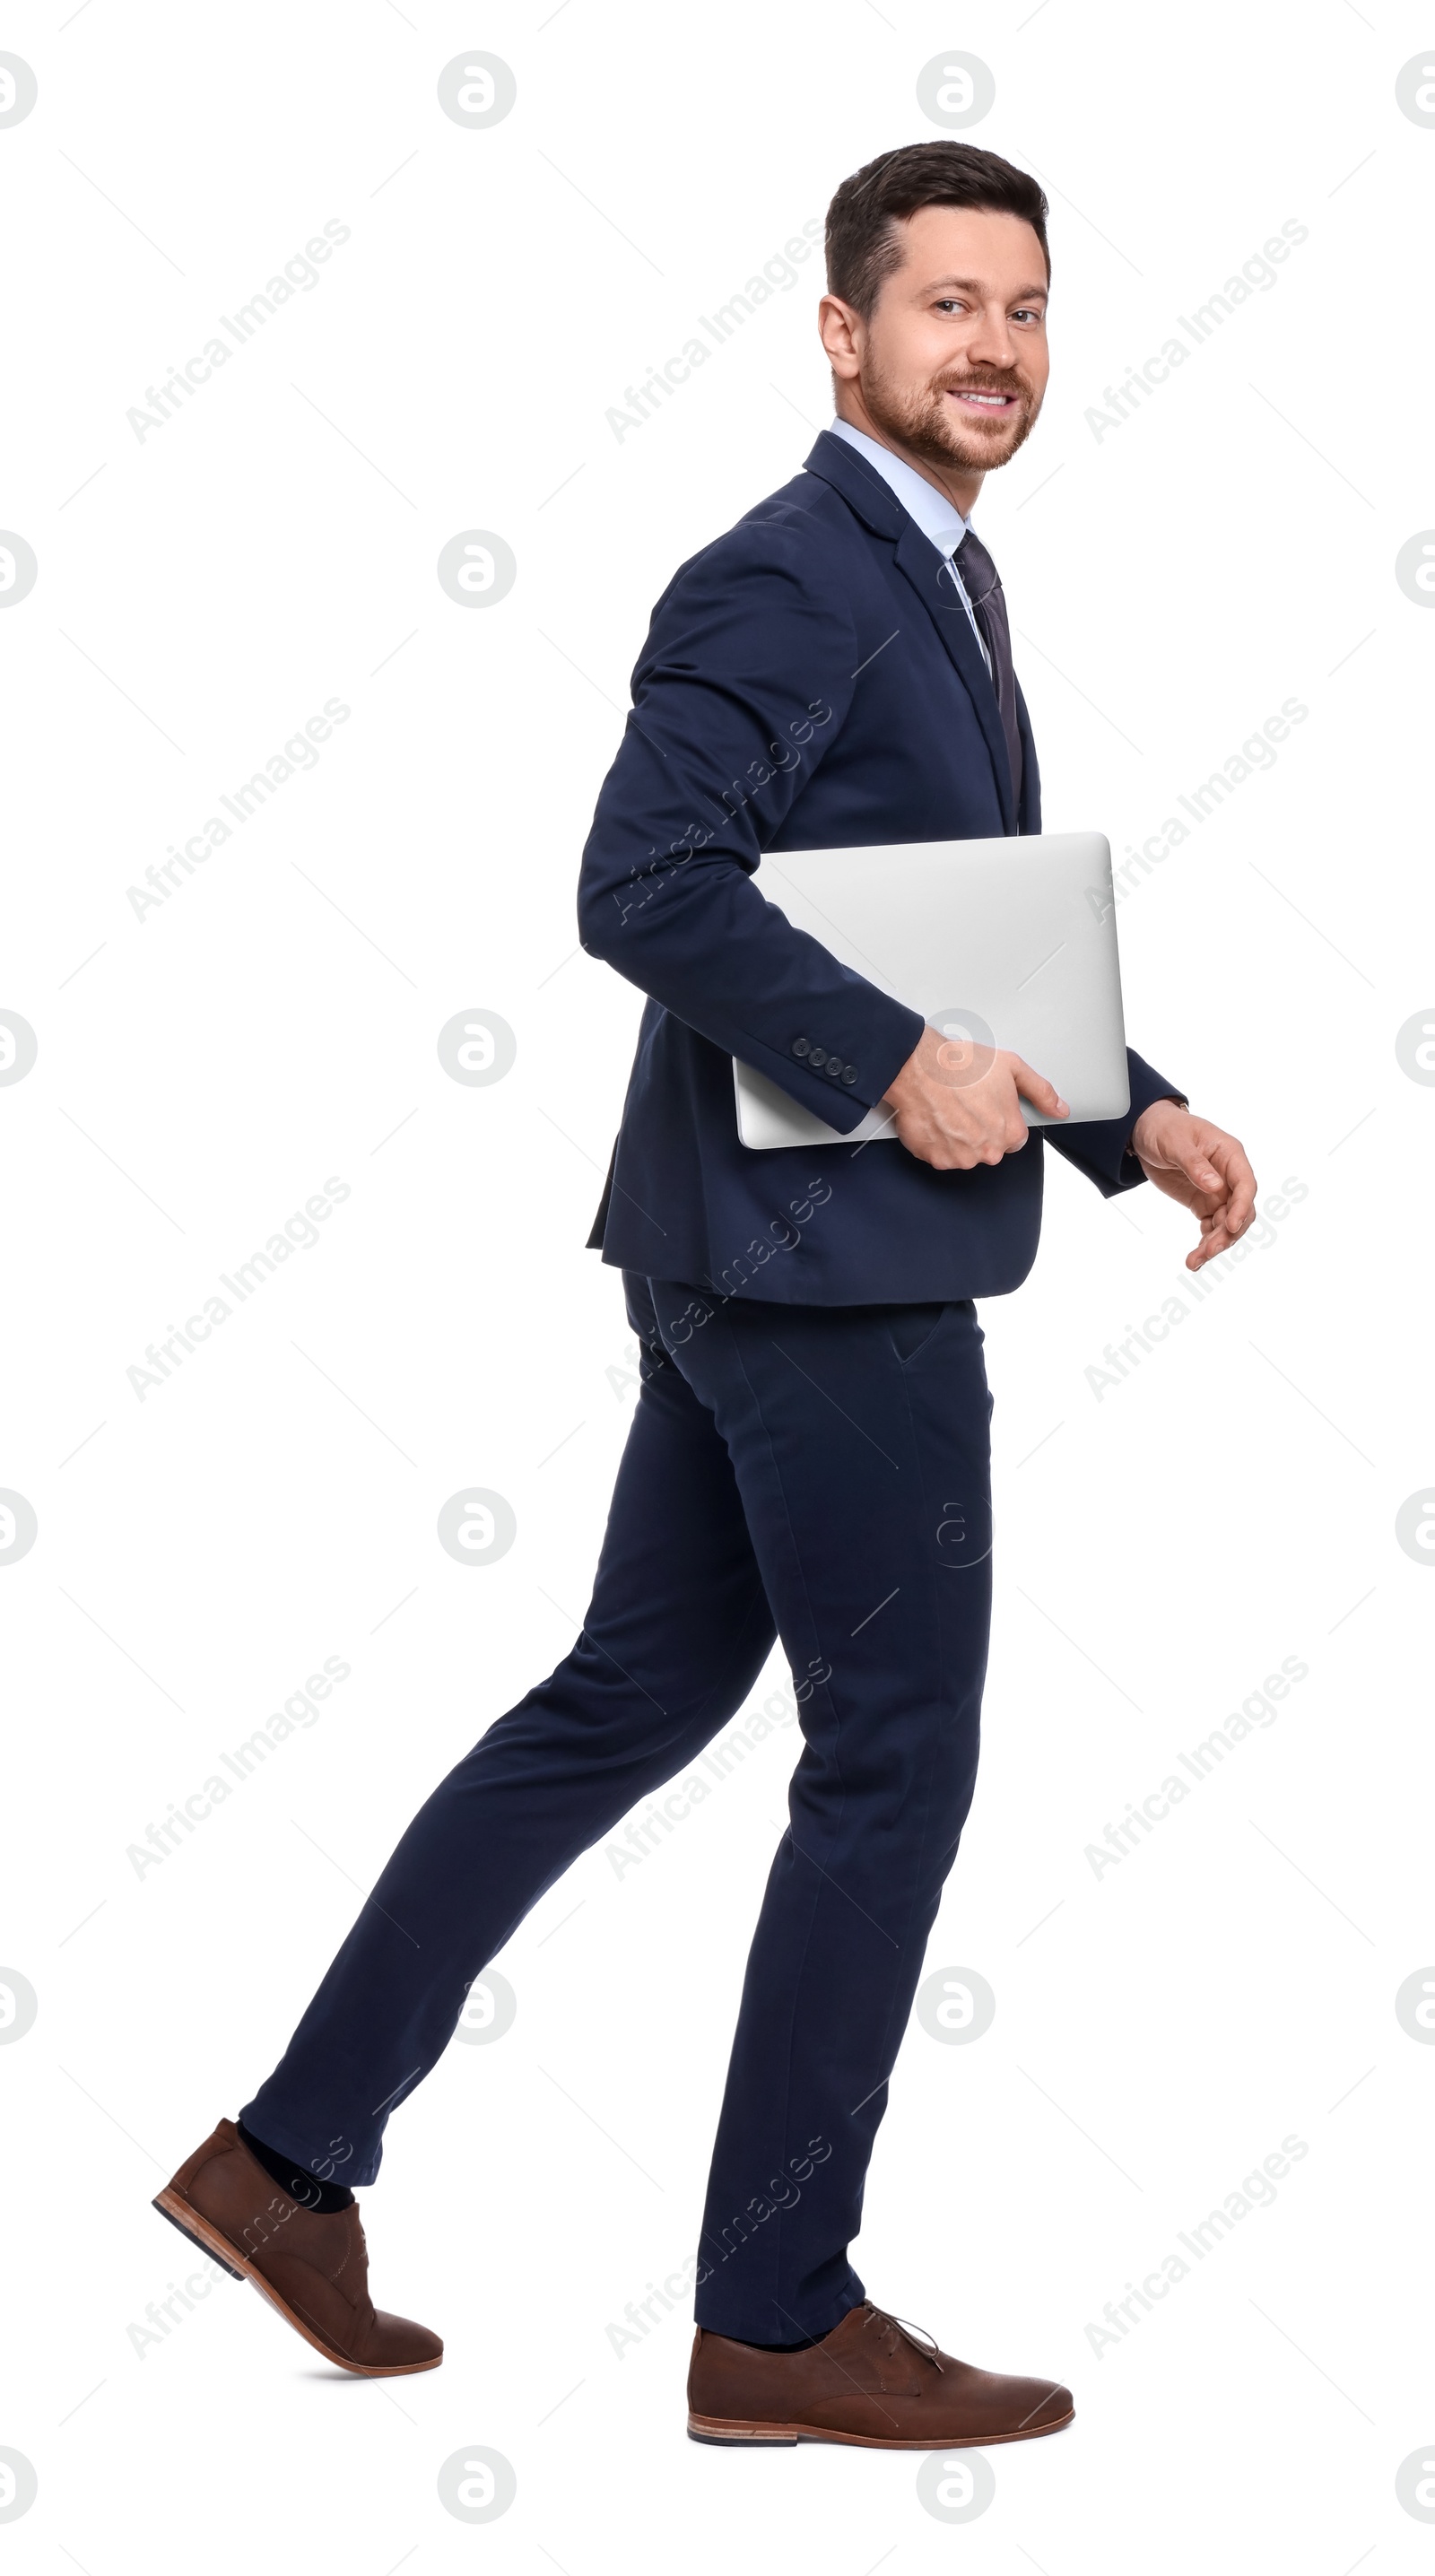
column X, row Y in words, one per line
column 981, row 398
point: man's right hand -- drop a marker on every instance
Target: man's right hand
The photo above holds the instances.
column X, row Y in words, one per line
column 956, row 1102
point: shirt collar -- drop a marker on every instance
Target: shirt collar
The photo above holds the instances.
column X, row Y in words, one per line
column 936, row 516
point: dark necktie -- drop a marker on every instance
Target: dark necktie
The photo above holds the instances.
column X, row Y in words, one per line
column 982, row 583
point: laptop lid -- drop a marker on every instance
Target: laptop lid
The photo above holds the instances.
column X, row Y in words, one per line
column 1010, row 942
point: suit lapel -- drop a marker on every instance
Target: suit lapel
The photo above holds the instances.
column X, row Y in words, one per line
column 877, row 506
column 926, row 570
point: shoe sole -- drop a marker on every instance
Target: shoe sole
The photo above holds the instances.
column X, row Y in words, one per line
column 712, row 2428
column 207, row 2237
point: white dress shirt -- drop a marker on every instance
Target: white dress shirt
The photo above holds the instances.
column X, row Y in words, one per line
column 936, row 516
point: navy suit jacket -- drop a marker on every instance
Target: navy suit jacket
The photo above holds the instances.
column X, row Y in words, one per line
column 810, row 681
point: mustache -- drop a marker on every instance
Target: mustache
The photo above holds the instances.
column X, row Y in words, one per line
column 984, row 380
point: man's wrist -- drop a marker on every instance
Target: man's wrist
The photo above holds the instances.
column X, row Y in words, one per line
column 1168, row 1099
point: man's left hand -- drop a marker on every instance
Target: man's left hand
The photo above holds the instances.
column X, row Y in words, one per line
column 1203, row 1167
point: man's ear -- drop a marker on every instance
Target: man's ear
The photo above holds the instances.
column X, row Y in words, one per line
column 839, row 328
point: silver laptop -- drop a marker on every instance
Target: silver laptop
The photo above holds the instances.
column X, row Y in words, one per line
column 1008, row 942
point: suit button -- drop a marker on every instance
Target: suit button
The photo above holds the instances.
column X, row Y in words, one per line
column 817, row 1058
column 849, row 1073
column 801, row 1046
column 834, row 1067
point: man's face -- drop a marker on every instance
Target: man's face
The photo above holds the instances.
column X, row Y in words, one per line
column 954, row 361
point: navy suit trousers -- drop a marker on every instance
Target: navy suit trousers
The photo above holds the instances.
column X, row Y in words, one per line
column 818, row 1474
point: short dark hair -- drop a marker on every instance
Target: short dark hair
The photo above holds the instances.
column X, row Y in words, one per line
column 864, row 245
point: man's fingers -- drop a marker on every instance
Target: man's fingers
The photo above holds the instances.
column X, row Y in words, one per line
column 1214, row 1240
column 1202, row 1168
column 1218, row 1233
column 1207, row 1250
column 1235, row 1185
column 1222, row 1185
column 1034, row 1087
column 1201, row 1171
column 1242, row 1182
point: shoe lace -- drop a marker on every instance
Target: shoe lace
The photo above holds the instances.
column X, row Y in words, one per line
column 917, row 2336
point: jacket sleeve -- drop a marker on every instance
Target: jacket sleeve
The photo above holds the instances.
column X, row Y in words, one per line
column 743, row 686
column 1098, row 1146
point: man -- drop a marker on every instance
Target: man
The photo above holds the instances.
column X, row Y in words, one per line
column 808, row 1458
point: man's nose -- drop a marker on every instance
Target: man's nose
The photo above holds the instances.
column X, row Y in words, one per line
column 991, row 343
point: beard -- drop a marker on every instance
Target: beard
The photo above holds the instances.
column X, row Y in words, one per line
column 931, row 427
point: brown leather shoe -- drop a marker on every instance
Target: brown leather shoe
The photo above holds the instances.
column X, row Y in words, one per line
column 870, row 2381
column 313, row 2269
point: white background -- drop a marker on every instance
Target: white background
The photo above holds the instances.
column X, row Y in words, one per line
column 202, row 1070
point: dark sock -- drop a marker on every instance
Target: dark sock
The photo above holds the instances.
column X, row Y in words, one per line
column 805, row 2345
column 305, row 2188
